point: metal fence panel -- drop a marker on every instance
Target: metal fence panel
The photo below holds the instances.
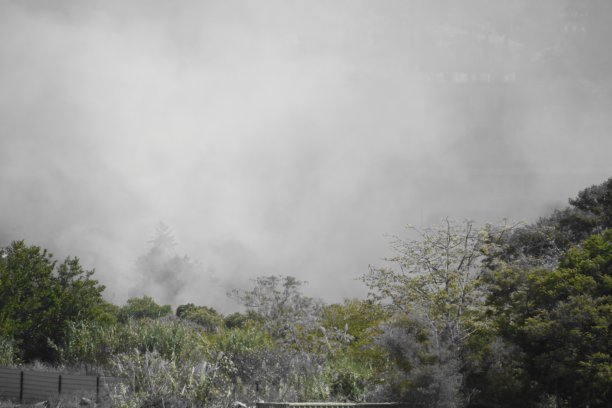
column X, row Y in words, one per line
column 77, row 383
column 330, row 405
column 10, row 382
column 272, row 405
column 39, row 385
column 35, row 385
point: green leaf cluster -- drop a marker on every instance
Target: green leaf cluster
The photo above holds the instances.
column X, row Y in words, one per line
column 40, row 297
column 205, row 316
column 561, row 321
column 143, row 307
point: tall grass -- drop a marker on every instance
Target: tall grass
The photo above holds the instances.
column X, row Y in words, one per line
column 170, row 362
column 165, row 362
column 153, row 380
column 96, row 344
column 8, row 351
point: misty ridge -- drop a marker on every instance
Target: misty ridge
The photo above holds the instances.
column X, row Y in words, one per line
column 288, row 136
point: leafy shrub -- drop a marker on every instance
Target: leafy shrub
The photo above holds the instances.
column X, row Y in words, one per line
column 205, row 316
column 143, row 308
column 154, row 380
column 96, row 344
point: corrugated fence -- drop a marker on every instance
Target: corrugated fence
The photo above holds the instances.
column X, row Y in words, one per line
column 36, row 385
column 330, row 405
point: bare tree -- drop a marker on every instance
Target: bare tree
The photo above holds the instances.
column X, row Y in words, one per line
column 434, row 286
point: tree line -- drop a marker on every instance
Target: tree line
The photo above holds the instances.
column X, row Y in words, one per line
column 460, row 316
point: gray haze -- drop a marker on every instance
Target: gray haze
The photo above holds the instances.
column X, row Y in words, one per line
column 289, row 137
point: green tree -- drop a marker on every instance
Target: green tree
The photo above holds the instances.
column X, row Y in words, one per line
column 143, row 308
column 561, row 321
column 240, row 320
column 438, row 277
column 353, row 327
column 355, row 360
column 205, row 316
column 437, row 295
column 541, row 244
column 39, row 298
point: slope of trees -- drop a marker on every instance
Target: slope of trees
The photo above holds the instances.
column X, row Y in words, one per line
column 460, row 316
column 560, row 320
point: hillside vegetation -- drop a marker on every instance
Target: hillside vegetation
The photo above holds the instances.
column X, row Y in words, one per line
column 464, row 315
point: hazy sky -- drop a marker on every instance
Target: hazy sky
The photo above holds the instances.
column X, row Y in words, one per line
column 285, row 137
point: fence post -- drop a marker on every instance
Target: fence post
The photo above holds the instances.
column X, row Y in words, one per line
column 21, row 388
column 97, row 387
column 59, row 385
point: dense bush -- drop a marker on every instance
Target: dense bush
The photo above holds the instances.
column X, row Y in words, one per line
column 96, row 344
column 154, row 380
column 143, row 308
column 39, row 297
